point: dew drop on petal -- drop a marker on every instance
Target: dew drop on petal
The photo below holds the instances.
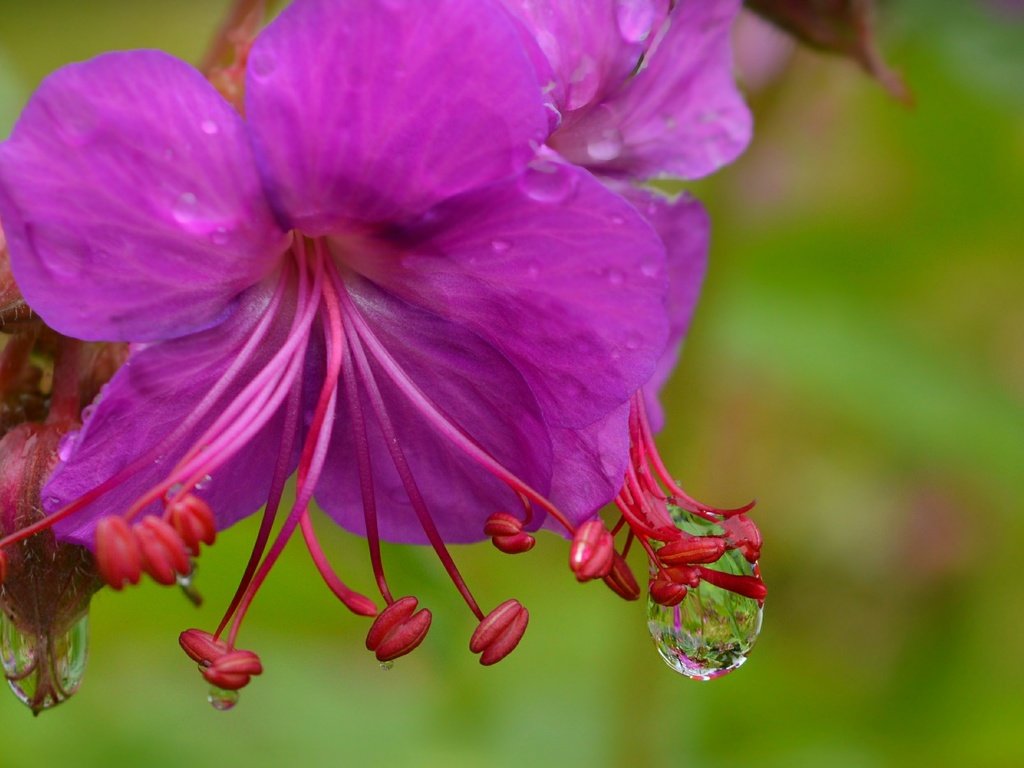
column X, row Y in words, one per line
column 43, row 671
column 635, row 19
column 209, row 127
column 204, row 482
column 500, row 246
column 185, row 209
column 712, row 631
column 583, row 83
column 67, row 444
column 606, row 147
column 548, row 182
column 220, row 699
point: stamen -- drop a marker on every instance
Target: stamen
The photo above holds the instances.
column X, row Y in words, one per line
column 355, row 602
column 398, row 630
column 500, row 632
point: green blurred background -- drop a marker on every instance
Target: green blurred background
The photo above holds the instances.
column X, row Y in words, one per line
column 857, row 364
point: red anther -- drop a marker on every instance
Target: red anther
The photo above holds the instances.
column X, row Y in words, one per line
column 397, row 630
column 686, row 575
column 592, row 552
column 193, row 519
column 500, row 632
column 514, row 545
column 163, row 551
column 748, row 586
column 690, row 550
column 3, row 566
column 667, row 592
column 744, row 535
column 502, row 524
column 233, row 670
column 201, row 646
column 118, row 557
column 620, row 579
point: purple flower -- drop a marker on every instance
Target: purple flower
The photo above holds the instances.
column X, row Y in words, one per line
column 372, row 279
column 642, row 92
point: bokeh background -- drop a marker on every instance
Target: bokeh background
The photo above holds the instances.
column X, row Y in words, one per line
column 857, row 364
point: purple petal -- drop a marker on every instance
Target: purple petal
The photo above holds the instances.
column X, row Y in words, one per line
column 684, row 226
column 477, row 390
column 591, row 46
column 560, row 274
column 130, row 199
column 682, row 115
column 155, row 391
column 368, row 111
column 589, row 465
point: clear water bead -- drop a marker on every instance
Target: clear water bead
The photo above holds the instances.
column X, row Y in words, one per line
column 712, row 631
column 221, row 699
column 44, row 671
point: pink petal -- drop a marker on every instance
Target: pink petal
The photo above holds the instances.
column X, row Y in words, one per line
column 131, row 202
column 366, row 111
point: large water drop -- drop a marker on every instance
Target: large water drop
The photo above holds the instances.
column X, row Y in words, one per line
column 44, row 671
column 221, row 699
column 712, row 631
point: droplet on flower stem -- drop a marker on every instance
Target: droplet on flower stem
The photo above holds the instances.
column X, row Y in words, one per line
column 44, row 671
column 222, row 700
column 712, row 631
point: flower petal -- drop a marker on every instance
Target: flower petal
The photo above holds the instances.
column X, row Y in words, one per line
column 154, row 392
column 475, row 387
column 681, row 115
column 592, row 46
column 374, row 109
column 130, row 200
column 561, row 275
column 684, row 226
column 589, row 465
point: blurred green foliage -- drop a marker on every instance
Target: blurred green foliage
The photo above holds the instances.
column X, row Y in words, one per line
column 857, row 364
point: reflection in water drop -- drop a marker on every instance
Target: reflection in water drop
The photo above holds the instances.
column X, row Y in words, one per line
column 44, row 671
column 222, row 700
column 548, row 182
column 712, row 631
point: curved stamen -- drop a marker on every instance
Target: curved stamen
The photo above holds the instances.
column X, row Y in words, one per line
column 439, row 421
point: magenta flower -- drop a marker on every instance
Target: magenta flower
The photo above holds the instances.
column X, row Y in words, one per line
column 371, row 279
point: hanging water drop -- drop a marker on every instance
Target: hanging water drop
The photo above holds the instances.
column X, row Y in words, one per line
column 712, row 631
column 387, row 666
column 221, row 699
column 43, row 671
column 186, row 581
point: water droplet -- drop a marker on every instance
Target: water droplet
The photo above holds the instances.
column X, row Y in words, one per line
column 650, row 269
column 583, row 83
column 548, row 182
column 554, row 116
column 617, row 220
column 185, row 209
column 635, row 19
column 500, row 246
column 387, row 666
column 220, row 236
column 173, row 491
column 222, row 700
column 209, row 127
column 204, row 482
column 67, row 444
column 262, row 63
column 615, row 277
column 712, row 631
column 44, row 670
column 606, row 147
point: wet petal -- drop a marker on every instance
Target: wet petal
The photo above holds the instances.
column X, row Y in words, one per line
column 682, row 115
column 684, row 226
column 477, row 389
column 370, row 110
column 131, row 202
column 591, row 46
column 589, row 465
column 558, row 273
column 154, row 392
